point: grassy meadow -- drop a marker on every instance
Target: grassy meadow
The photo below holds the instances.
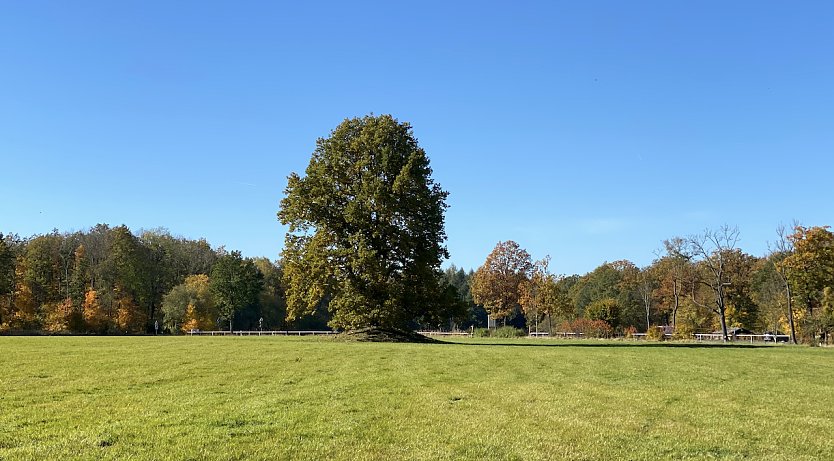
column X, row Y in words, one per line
column 259, row 398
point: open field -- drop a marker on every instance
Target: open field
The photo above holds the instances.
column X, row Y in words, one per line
column 315, row 398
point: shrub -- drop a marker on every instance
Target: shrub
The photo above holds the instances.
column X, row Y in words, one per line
column 655, row 333
column 589, row 328
column 481, row 332
column 683, row 331
column 606, row 309
column 629, row 331
column 507, row 332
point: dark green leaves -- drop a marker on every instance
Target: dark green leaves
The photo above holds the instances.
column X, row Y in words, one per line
column 365, row 228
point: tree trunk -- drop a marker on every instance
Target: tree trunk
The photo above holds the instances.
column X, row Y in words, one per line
column 675, row 309
column 790, row 312
column 724, row 336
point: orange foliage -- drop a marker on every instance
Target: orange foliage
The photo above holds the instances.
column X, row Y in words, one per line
column 129, row 318
column 94, row 315
column 57, row 316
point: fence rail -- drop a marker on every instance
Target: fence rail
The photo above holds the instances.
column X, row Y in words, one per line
column 262, row 333
column 556, row 334
column 445, row 333
column 743, row 337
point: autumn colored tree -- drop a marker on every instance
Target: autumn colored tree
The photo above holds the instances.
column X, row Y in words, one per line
column 128, row 279
column 57, row 316
column 190, row 305
column 742, row 311
column 712, row 249
column 366, row 229
column 672, row 270
column 541, row 295
column 45, row 280
column 96, row 316
column 810, row 269
column 499, row 283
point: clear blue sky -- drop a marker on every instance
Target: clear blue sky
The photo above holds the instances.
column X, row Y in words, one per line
column 586, row 130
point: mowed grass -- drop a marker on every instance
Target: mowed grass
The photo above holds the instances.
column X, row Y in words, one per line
column 196, row 398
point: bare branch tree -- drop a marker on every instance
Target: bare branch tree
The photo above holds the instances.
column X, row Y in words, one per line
column 711, row 250
column 782, row 248
column 676, row 250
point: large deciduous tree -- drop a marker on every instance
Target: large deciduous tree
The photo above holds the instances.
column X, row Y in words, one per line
column 810, row 270
column 498, row 284
column 366, row 234
column 713, row 250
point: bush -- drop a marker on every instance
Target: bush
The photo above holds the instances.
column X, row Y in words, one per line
column 606, row 309
column 683, row 331
column 655, row 333
column 481, row 333
column 629, row 331
column 589, row 328
column 507, row 332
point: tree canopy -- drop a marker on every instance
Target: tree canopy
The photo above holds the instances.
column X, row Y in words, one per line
column 366, row 231
column 499, row 283
column 236, row 284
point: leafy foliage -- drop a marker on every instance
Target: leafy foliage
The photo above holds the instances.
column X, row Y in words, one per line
column 236, row 284
column 606, row 309
column 365, row 229
column 498, row 285
column 190, row 305
column 588, row 328
column 810, row 271
column 108, row 280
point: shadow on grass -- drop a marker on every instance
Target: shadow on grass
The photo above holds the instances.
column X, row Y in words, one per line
column 614, row 344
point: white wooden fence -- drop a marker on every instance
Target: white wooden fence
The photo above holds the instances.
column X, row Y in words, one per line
column 556, row 334
column 743, row 337
column 262, row 333
column 445, row 333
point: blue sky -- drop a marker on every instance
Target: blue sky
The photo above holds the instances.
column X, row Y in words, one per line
column 589, row 131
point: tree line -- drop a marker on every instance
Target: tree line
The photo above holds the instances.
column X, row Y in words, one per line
column 110, row 280
column 699, row 283
column 364, row 248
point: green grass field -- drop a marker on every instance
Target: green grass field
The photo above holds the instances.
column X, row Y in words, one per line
column 313, row 398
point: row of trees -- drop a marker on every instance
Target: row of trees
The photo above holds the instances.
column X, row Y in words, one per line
column 109, row 280
column 698, row 283
column 364, row 246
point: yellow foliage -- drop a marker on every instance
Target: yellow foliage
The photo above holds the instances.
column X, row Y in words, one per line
column 190, row 320
column 57, row 316
column 94, row 315
column 24, row 316
column 129, row 318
